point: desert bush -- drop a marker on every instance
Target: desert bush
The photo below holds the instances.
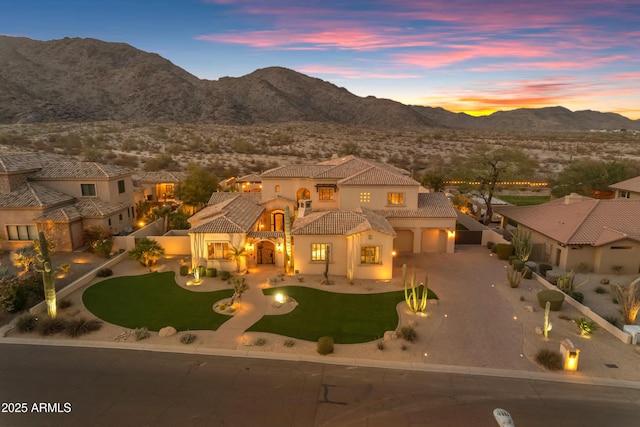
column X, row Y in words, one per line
column 556, row 298
column 512, row 258
column 629, row 300
column 613, row 320
column 141, row 333
column 586, row 326
column 325, row 345
column 82, row 326
column 187, row 338
column 184, row 270
column 146, row 252
column 16, row 292
column 380, row 345
column 408, row 333
column 517, row 264
column 543, row 268
column 104, row 272
column 260, row 342
column 551, row 360
column 65, row 303
column 504, row 250
column 600, row 290
column 99, row 240
column 211, row 272
column 490, row 245
column 26, row 323
column 578, row 296
column 49, row 326
column 225, row 275
column 289, row 343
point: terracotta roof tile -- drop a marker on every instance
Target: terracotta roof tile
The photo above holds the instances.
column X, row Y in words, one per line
column 632, row 184
column 22, row 162
column 160, row 177
column 32, row 195
column 72, row 170
column 340, row 223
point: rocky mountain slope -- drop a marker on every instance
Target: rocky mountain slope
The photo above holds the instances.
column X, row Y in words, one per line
column 76, row 79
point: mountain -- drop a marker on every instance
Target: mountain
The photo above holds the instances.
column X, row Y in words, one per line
column 75, row 79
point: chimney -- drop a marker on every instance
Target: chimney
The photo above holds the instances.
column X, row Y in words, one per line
column 572, row 198
column 304, row 207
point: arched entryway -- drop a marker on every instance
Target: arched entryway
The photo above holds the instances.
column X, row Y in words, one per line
column 266, row 253
column 303, row 193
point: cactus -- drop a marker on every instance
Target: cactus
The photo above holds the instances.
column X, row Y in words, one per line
column 414, row 301
column 287, row 240
column 547, row 326
column 522, row 244
column 515, row 277
column 47, row 275
column 565, row 283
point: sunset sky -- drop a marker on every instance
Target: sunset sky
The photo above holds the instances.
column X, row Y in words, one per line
column 463, row 55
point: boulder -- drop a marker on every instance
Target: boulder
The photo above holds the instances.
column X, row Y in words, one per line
column 167, row 331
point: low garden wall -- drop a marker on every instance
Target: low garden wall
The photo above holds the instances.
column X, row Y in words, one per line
column 175, row 242
column 603, row 323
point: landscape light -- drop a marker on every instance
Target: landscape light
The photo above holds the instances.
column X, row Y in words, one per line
column 280, row 298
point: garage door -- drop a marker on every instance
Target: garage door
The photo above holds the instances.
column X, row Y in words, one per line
column 403, row 241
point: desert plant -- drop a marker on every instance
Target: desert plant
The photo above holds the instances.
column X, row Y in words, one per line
column 146, row 252
column 583, row 268
column 51, row 325
column 551, row 360
column 600, row 290
column 408, row 333
column 629, row 300
column 184, row 270
column 565, row 282
column 415, row 302
column 237, row 254
column 490, row 245
column 141, row 333
column 104, row 272
column 288, row 261
column 187, row 338
column 517, row 264
column 586, row 326
column 556, row 299
column 82, row 326
column 325, row 345
column 578, row 296
column 613, row 320
column 48, row 273
column 547, row 325
column 26, row 323
column 211, row 272
column 543, row 268
column 514, row 277
column 99, row 240
column 289, row 343
column 260, row 342
column 380, row 345
column 225, row 275
column 522, row 245
column 239, row 287
column 504, row 250
column 65, row 303
column 16, row 291
column 617, row 269
column 23, row 257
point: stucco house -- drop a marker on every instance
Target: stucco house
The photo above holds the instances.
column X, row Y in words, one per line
column 61, row 198
column 158, row 186
column 628, row 189
column 354, row 211
column 577, row 230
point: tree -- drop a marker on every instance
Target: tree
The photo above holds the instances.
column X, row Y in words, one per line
column 24, row 257
column 433, row 181
column 237, row 254
column 146, row 252
column 197, row 186
column 588, row 177
column 178, row 220
column 486, row 167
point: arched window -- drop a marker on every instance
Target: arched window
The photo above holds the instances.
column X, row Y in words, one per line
column 303, row 193
column 277, row 188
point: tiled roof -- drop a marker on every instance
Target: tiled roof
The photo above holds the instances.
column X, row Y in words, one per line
column 222, row 196
column 236, row 213
column 266, row 234
column 430, row 205
column 582, row 221
column 632, row 184
column 343, row 223
column 360, row 164
column 19, row 162
column 158, row 177
column 33, row 195
column 249, row 178
column 97, row 208
column 294, row 171
column 378, row 176
column 53, row 170
column 64, row 214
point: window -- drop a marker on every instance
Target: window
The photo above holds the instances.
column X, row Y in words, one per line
column 365, row 197
column 22, row 232
column 88, row 189
column 277, row 188
column 370, row 255
column 624, row 248
column 218, row 250
column 121, row 186
column 624, row 194
column 395, row 199
column 120, row 217
column 319, row 251
column 325, row 193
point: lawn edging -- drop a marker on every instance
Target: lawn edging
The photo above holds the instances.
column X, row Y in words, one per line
column 603, row 323
column 77, row 284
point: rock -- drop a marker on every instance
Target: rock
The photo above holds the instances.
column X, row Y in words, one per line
column 162, row 268
column 390, row 335
column 538, row 330
column 434, row 301
column 167, row 331
column 529, row 308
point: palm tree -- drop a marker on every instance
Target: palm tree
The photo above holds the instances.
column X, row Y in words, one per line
column 237, row 254
column 147, row 252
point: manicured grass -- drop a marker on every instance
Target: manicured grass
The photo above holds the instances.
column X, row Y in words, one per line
column 154, row 300
column 525, row 200
column 348, row 318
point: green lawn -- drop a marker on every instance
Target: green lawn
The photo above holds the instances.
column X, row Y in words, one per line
column 348, row 318
column 154, row 300
column 525, row 200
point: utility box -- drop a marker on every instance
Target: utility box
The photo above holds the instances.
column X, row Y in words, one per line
column 634, row 331
column 570, row 355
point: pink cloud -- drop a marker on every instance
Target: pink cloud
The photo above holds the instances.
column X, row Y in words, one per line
column 351, row 73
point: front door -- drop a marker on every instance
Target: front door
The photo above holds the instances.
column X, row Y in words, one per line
column 266, row 253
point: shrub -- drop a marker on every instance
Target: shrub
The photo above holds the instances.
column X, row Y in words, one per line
column 543, row 268
column 211, row 272
column 586, row 326
column 184, row 270
column 187, row 338
column 325, row 345
column 504, row 250
column 146, row 252
column 104, row 272
column 518, row 265
column 202, row 270
column 380, row 345
column 583, row 268
column 260, row 342
column 99, row 240
column 613, row 320
column 17, row 291
column 490, row 245
column 50, row 326
column 289, row 343
column 225, row 275
column 26, row 323
column 556, row 298
column 600, row 290
column 578, row 296
column 512, row 258
column 551, row 360
column 82, row 326
column 65, row 303
column 408, row 333
column 141, row 333
column 494, row 248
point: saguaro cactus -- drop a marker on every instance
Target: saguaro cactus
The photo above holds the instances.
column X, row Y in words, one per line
column 47, row 275
column 547, row 326
column 287, row 240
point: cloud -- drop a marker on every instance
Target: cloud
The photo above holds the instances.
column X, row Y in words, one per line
column 351, row 73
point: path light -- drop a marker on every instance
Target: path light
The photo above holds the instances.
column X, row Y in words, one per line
column 280, row 298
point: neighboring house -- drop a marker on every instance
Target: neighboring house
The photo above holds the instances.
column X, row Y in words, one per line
column 158, row 187
column 354, row 211
column 575, row 231
column 61, row 198
column 629, row 189
column 251, row 183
